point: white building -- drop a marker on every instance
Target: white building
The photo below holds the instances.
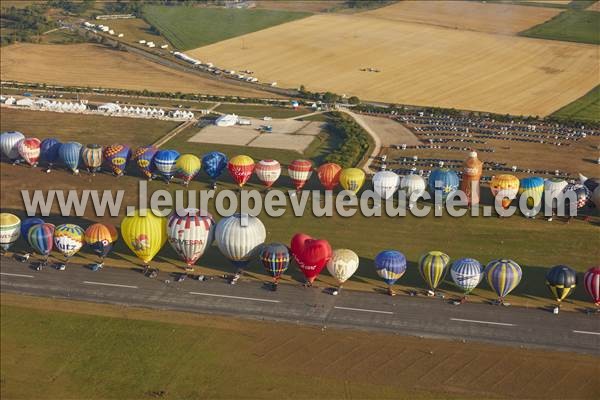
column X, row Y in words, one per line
column 227, row 120
column 25, row 102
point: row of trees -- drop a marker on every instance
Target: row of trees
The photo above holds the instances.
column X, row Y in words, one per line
column 354, row 140
column 24, row 23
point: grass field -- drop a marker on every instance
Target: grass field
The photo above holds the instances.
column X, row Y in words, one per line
column 572, row 26
column 466, row 15
column 258, row 111
column 134, row 29
column 84, row 128
column 419, row 64
column 98, row 66
column 587, row 108
column 191, row 27
column 84, row 350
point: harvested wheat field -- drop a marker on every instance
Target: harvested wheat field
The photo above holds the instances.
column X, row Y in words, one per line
column 467, row 15
column 414, row 64
column 98, row 66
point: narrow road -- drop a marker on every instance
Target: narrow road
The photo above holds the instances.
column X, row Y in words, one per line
column 170, row 135
column 418, row 316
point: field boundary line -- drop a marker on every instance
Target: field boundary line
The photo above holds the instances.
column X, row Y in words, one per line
column 362, row 309
column 109, row 284
column 235, row 297
column 482, row 322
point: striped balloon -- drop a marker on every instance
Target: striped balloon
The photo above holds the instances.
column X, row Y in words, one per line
column 591, row 282
column 190, row 232
column 70, row 154
column 241, row 168
column 503, row 276
column 8, row 144
column 41, row 238
column 28, row 223
column 268, row 171
column 68, row 239
column 466, row 273
column 299, row 172
column 390, row 265
column 561, row 281
column 49, row 150
column 165, row 162
column 101, row 238
column 239, row 237
column 532, row 188
column 275, row 257
column 10, row 230
column 91, row 155
column 329, row 175
column 432, row 267
column 187, row 167
column 29, row 150
column 143, row 157
column 443, row 180
column 117, row 156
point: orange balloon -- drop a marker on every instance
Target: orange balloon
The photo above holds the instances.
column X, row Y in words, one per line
column 329, row 175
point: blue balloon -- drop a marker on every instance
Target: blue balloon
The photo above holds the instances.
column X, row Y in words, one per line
column 447, row 180
column 390, row 265
column 41, row 238
column 165, row 161
column 531, row 182
column 28, row 223
column 214, row 163
column 70, row 155
column 49, row 150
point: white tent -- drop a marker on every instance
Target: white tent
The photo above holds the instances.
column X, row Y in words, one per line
column 25, row 102
column 109, row 108
column 10, row 101
column 161, row 112
column 42, row 103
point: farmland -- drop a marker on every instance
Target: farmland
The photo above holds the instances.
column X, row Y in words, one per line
column 181, row 355
column 572, row 26
column 587, row 108
column 452, row 68
column 190, row 27
column 98, row 66
column 84, row 128
column 466, row 15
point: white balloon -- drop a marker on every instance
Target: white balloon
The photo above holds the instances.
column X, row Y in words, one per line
column 385, row 184
column 8, row 143
column 268, row 171
column 190, row 232
column 413, row 184
column 239, row 237
column 553, row 188
column 342, row 264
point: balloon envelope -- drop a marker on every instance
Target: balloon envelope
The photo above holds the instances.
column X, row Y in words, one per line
column 413, row 184
column 503, row 276
column 553, row 189
column 100, row 238
column 268, row 171
column 505, row 185
column 144, row 159
column 41, row 238
column 70, row 154
column 165, row 163
column 190, row 232
column 432, row 267
column 49, row 150
column 187, row 167
column 591, row 282
column 385, row 184
column 561, row 281
column 352, row 179
column 311, row 254
column 29, row 150
column 443, row 180
column 299, row 172
column 214, row 163
column 342, row 264
column 28, row 223
column 580, row 193
column 144, row 233
column 10, row 230
column 466, row 273
column 117, row 156
column 241, row 168
column 329, row 175
column 8, row 144
column 533, row 188
column 275, row 257
column 92, row 157
column 390, row 265
column 239, row 238
column 68, row 239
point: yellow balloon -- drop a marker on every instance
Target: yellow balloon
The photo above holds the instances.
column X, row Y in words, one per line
column 144, row 235
column 352, row 179
column 187, row 167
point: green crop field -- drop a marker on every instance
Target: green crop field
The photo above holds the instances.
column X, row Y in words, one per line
column 586, row 108
column 191, row 27
column 572, row 26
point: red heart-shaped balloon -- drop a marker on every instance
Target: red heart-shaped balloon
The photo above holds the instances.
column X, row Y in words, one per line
column 311, row 254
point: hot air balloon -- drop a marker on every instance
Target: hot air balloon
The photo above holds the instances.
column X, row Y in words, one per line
column 466, row 274
column 275, row 257
column 241, row 168
column 352, row 179
column 507, row 186
column 213, row 164
column 8, row 144
column 29, row 150
column 590, row 183
column 10, row 230
column 49, row 152
column 582, row 196
column 91, row 155
column 553, row 188
column 41, row 239
column 342, row 265
column 26, row 224
column 591, row 282
column 145, row 234
column 532, row 188
column 70, row 154
column 596, row 197
column 165, row 162
column 503, row 276
column 239, row 237
column 117, row 156
column 329, row 175
column 144, row 157
column 187, row 167
column 432, row 267
column 101, row 238
column 300, row 172
column 311, row 255
column 561, row 281
column 443, row 180
column 268, row 171
column 68, row 240
column 190, row 232
column 414, row 185
column 390, row 266
column 385, row 184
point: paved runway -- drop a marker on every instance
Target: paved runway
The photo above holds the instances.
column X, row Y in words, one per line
column 421, row 316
